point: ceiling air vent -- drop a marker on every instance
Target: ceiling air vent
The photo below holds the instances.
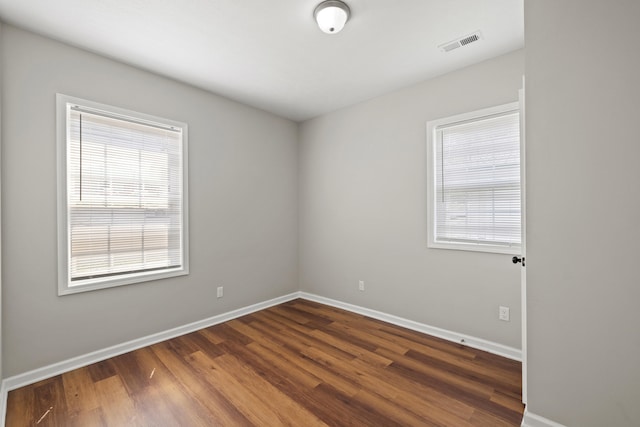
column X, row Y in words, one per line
column 462, row 41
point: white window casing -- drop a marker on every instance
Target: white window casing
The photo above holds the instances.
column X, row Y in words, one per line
column 474, row 181
column 122, row 196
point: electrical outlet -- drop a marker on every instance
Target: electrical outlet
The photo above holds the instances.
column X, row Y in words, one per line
column 503, row 313
column 361, row 285
column 220, row 292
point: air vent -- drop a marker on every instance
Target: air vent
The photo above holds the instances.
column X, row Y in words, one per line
column 462, row 41
column 472, row 38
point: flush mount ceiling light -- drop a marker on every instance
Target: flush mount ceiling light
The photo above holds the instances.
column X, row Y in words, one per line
column 331, row 15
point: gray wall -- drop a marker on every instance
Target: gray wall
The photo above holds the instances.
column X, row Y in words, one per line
column 363, row 208
column 583, row 203
column 243, row 206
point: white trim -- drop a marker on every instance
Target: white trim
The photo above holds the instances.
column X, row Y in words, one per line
column 432, row 129
column 3, row 404
column 64, row 104
column 30, row 377
column 45, row 372
column 477, row 343
column 523, row 242
column 533, row 420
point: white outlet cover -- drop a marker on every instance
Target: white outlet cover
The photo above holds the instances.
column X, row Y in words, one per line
column 503, row 313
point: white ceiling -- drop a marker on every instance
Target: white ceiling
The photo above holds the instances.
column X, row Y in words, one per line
column 270, row 53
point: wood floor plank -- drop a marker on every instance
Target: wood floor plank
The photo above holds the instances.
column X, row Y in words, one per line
column 508, row 401
column 93, row 418
column 300, row 363
column 430, row 341
column 274, row 359
column 290, row 411
column 312, row 318
column 117, row 407
column 211, row 335
column 456, row 390
column 354, row 412
column 80, row 393
column 50, row 402
column 351, row 334
column 101, row 370
column 361, row 374
column 431, row 376
column 199, row 389
column 485, row 419
column 166, row 397
column 463, row 368
column 299, row 337
column 250, row 403
column 306, row 395
column 356, row 351
column 22, row 404
column 296, row 357
column 417, row 398
column 290, row 313
column 393, row 410
column 143, row 377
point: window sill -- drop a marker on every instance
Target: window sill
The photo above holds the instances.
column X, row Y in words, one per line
column 477, row 247
column 95, row 284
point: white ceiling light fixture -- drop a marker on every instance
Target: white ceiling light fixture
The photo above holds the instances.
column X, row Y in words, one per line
column 331, row 15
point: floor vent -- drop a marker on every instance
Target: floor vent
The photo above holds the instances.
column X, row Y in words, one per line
column 462, row 41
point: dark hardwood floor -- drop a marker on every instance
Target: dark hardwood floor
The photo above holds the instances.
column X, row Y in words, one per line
column 297, row 364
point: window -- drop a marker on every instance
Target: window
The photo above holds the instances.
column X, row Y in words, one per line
column 474, row 181
column 122, row 196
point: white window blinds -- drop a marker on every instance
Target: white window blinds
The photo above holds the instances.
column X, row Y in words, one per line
column 124, row 196
column 477, row 181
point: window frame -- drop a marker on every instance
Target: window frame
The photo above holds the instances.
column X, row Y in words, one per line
column 64, row 256
column 432, row 127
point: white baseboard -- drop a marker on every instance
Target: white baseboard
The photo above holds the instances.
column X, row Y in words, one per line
column 477, row 343
column 58, row 368
column 45, row 372
column 533, row 420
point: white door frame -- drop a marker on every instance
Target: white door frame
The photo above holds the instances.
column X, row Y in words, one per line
column 523, row 274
